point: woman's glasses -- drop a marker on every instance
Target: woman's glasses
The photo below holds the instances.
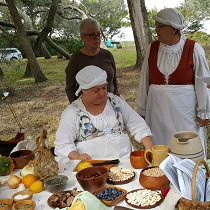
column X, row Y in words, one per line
column 160, row 25
column 93, row 36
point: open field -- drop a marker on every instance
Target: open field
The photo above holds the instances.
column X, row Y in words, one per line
column 40, row 105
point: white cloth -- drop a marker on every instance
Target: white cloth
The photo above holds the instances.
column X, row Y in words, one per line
column 90, row 76
column 186, row 101
column 171, row 17
column 171, row 199
column 114, row 145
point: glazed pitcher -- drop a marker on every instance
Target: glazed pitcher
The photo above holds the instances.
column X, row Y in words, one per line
column 186, row 144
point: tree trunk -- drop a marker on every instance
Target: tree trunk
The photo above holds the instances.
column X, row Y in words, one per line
column 48, row 28
column 1, row 74
column 141, row 31
column 35, row 68
column 57, row 48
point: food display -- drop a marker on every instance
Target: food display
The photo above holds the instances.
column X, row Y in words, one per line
column 154, row 172
column 22, row 195
column 56, row 183
column 153, row 178
column 62, row 199
column 25, row 205
column 92, row 178
column 143, row 198
column 110, row 195
column 120, row 175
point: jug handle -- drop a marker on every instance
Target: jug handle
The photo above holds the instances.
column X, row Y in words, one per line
column 148, row 152
column 183, row 142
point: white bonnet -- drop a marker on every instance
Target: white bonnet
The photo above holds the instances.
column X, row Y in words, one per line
column 171, row 17
column 90, row 76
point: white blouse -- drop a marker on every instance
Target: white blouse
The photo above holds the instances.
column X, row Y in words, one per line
column 68, row 128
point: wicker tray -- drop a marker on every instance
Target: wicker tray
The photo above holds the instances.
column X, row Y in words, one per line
column 185, row 204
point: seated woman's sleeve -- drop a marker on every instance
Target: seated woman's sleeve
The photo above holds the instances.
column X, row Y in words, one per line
column 134, row 123
column 66, row 133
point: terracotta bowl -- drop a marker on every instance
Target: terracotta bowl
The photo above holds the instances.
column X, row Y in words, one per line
column 92, row 178
column 21, row 158
column 151, row 182
column 20, row 204
column 5, row 203
column 56, row 183
column 7, row 146
column 22, row 195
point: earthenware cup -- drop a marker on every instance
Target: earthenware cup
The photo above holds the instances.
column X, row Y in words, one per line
column 137, row 159
column 155, row 156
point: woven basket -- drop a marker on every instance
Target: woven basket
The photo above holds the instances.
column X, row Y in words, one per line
column 44, row 164
column 185, row 204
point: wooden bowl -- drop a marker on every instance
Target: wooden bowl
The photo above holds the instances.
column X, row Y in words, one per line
column 137, row 159
column 7, row 202
column 56, row 183
column 88, row 181
column 21, row 158
column 22, row 195
column 19, row 204
column 153, row 182
column 110, row 202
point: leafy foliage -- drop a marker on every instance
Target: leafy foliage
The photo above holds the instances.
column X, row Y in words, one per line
column 112, row 15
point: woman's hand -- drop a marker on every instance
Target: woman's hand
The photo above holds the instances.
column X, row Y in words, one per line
column 201, row 122
column 77, row 156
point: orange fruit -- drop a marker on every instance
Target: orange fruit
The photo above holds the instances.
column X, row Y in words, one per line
column 28, row 180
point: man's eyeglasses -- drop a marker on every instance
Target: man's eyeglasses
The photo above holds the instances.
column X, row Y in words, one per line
column 93, row 36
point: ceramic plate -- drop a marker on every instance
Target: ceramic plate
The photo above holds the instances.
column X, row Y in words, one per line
column 116, row 200
column 57, row 204
column 121, row 182
column 144, row 206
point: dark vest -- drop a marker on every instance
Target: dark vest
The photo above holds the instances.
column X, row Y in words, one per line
column 183, row 75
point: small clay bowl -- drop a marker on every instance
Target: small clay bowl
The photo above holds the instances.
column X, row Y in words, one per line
column 56, row 183
column 153, row 182
column 30, row 204
column 22, row 195
column 21, row 158
column 92, row 178
column 5, row 203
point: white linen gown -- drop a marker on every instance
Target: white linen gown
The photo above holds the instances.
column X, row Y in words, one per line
column 173, row 108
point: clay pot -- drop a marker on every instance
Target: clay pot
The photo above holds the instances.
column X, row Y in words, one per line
column 186, row 144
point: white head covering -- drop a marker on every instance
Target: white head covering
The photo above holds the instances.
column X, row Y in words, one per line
column 90, row 76
column 171, row 17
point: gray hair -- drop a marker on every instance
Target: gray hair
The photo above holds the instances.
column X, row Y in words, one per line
column 88, row 23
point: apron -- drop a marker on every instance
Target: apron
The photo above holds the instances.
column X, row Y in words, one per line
column 170, row 109
column 116, row 145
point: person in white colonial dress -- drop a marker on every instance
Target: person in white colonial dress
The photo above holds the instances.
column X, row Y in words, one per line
column 170, row 96
column 96, row 124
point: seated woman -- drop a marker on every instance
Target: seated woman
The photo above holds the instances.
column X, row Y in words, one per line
column 96, row 124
